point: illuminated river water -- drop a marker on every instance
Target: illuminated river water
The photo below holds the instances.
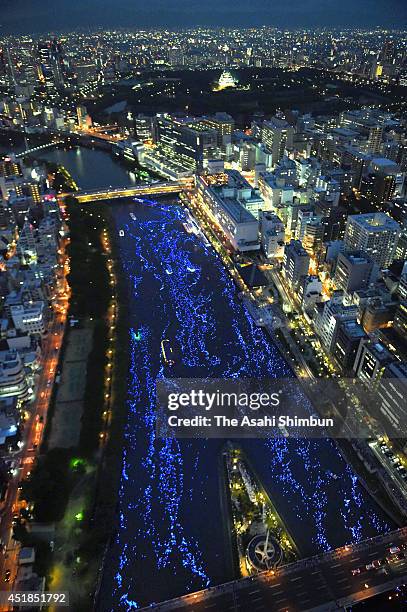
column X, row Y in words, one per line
column 171, row 536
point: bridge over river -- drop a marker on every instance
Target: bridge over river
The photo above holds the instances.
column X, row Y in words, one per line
column 326, row 582
column 151, row 189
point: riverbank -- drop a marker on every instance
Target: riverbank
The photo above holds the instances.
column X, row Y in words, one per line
column 85, row 526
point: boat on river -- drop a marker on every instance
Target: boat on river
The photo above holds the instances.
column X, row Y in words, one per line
column 167, row 352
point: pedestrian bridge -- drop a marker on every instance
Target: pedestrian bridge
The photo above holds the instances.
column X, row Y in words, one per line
column 152, row 189
column 327, row 582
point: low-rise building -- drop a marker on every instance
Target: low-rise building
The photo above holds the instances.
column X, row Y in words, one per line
column 29, row 318
column 13, row 379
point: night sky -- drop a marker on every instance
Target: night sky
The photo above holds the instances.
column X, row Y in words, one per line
column 30, row 16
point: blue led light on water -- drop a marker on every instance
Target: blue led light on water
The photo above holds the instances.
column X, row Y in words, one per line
column 166, row 483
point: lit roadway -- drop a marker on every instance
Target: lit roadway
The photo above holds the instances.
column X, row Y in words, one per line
column 32, row 434
column 324, row 582
column 140, row 190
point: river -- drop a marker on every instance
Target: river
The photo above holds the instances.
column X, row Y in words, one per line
column 171, row 537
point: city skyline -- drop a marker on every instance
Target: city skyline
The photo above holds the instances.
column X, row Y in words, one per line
column 203, row 262
column 23, row 17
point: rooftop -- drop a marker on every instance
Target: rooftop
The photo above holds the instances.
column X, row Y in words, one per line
column 237, row 211
column 374, row 221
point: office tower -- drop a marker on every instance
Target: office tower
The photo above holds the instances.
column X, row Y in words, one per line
column 224, row 125
column 358, row 163
column 354, row 271
column 400, row 319
column 392, row 391
column 347, row 341
column 328, row 317
column 186, row 142
column 401, row 248
column 176, row 56
column 379, row 184
column 7, row 73
column 144, row 127
column 310, row 292
column 374, row 139
column 387, row 52
column 370, row 362
column 296, row 263
column 51, row 64
column 277, row 135
column 86, row 74
column 45, row 59
column 84, row 120
column 305, row 214
column 374, row 234
column 247, row 156
column 313, row 240
column 9, row 167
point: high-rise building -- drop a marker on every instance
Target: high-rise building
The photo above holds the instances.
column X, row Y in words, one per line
column 50, row 57
column 392, row 391
column 13, row 378
column 328, row 318
column 313, row 240
column 401, row 248
column 176, row 56
column 370, row 362
column 400, row 319
column 272, row 234
column 224, row 125
column 347, row 341
column 374, row 234
column 277, row 135
column 296, row 263
column 187, row 142
column 354, row 271
column 374, row 139
column 144, row 127
column 378, row 186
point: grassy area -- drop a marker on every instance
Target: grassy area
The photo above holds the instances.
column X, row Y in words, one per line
column 49, row 485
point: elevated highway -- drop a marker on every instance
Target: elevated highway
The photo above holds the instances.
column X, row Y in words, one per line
column 327, row 582
column 153, row 189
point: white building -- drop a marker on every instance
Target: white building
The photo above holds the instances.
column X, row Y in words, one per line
column 274, row 191
column 13, row 380
column 227, row 208
column 375, row 234
column 29, row 318
column 272, row 234
column 310, row 292
column 330, row 315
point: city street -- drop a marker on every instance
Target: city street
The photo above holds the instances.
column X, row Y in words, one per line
column 33, row 432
